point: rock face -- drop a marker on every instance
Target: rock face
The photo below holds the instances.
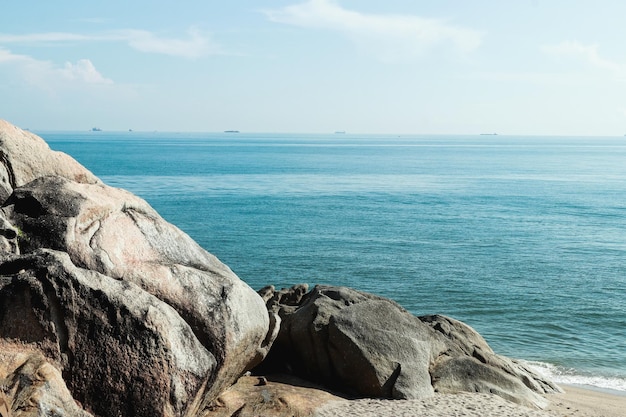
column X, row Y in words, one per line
column 25, row 157
column 31, row 386
column 371, row 347
column 137, row 318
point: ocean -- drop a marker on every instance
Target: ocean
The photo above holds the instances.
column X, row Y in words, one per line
column 522, row 238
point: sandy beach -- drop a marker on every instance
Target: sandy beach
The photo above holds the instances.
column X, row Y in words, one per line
column 575, row 402
column 578, row 401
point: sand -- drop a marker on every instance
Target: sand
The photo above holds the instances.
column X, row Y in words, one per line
column 441, row 405
column 288, row 396
column 575, row 402
column 582, row 402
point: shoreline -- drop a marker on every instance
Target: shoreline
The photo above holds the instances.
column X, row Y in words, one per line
column 576, row 401
column 587, row 401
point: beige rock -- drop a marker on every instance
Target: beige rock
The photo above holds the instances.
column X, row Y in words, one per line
column 25, row 157
column 30, row 386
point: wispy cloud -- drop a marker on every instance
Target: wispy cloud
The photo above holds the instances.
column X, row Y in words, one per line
column 586, row 53
column 42, row 38
column 46, row 75
column 194, row 44
column 389, row 36
column 7, row 56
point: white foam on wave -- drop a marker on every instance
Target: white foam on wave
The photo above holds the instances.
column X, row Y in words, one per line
column 570, row 376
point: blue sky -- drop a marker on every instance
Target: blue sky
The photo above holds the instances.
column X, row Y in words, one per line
column 400, row 66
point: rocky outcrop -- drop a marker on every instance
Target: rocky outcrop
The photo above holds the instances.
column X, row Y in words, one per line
column 25, row 157
column 137, row 318
column 369, row 346
column 108, row 310
column 115, row 233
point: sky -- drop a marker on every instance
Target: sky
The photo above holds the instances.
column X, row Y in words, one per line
column 524, row 67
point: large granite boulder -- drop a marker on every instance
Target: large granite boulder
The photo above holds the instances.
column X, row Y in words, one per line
column 369, row 346
column 162, row 325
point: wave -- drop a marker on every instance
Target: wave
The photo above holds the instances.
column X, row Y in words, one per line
column 571, row 376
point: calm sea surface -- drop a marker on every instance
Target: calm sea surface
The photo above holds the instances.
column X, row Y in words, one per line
column 523, row 238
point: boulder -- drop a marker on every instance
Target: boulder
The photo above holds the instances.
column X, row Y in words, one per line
column 369, row 346
column 121, row 350
column 353, row 341
column 113, row 232
column 25, row 157
column 134, row 269
column 470, row 365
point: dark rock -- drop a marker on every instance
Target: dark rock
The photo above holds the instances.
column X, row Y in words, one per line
column 121, row 351
column 369, row 346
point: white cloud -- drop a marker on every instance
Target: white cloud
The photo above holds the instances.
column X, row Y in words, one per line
column 194, row 45
column 83, row 70
column 7, row 56
column 42, row 37
column 587, row 53
column 389, row 35
column 46, row 75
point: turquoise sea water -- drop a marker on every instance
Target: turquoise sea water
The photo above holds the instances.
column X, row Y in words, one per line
column 523, row 238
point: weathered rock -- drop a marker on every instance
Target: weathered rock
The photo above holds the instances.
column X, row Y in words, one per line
column 482, row 370
column 275, row 396
column 30, row 386
column 113, row 232
column 370, row 346
column 121, row 350
column 25, row 157
column 110, row 236
column 8, row 237
column 355, row 341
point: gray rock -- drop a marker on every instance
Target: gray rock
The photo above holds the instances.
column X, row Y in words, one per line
column 469, row 364
column 354, row 341
column 380, row 351
column 120, row 350
column 54, row 204
column 369, row 346
column 25, row 157
column 113, row 232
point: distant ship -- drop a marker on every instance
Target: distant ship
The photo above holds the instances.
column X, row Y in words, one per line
column 340, row 132
column 488, row 134
column 96, row 129
column 231, row 131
